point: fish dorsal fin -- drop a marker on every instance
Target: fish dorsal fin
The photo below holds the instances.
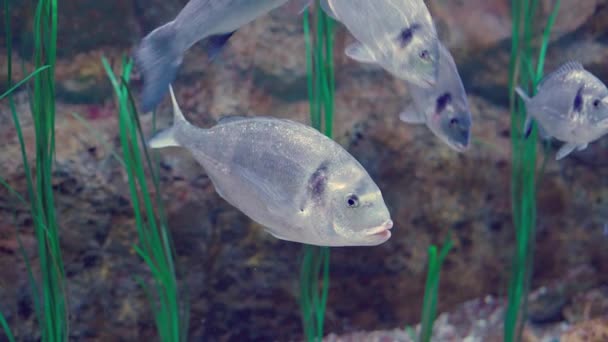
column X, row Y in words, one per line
column 564, row 69
column 231, row 118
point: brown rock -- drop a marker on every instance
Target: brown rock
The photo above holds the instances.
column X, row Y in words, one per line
column 591, row 331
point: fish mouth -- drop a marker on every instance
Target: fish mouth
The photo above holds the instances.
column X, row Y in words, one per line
column 382, row 230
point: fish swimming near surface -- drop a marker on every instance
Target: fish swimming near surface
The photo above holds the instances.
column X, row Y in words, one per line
column 571, row 105
column 297, row 183
column 398, row 35
column 443, row 107
column 161, row 52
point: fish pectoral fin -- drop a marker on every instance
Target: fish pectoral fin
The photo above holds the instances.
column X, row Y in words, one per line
column 543, row 133
column 565, row 150
column 360, row 53
column 582, row 147
column 326, row 6
column 411, row 116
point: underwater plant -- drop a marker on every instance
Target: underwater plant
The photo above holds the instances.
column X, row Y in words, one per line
column 523, row 178
column 48, row 292
column 154, row 246
column 321, row 85
column 431, row 289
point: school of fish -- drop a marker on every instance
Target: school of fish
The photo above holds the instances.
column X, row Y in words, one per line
column 302, row 186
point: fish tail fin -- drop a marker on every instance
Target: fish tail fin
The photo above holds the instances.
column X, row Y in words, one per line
column 528, row 126
column 168, row 137
column 529, row 123
column 158, row 57
column 522, row 94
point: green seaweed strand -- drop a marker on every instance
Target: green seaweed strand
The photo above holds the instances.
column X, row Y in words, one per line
column 320, row 84
column 431, row 289
column 523, row 177
column 155, row 246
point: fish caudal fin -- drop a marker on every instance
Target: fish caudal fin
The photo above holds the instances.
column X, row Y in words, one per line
column 168, row 137
column 528, row 125
column 522, row 94
column 158, row 57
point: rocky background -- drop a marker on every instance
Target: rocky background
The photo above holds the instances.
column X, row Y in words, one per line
column 241, row 282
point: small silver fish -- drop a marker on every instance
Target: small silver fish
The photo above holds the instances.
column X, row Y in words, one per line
column 161, row 52
column 398, row 35
column 571, row 105
column 297, row 183
column 443, row 107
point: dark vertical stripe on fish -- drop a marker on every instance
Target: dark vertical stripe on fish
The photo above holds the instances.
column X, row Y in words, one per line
column 407, row 34
column 578, row 100
column 442, row 102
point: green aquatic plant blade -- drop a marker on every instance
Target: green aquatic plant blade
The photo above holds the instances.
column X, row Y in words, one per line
column 23, row 81
column 54, row 310
column 431, row 290
column 523, row 177
column 155, row 246
column 49, row 294
column 320, row 85
column 6, row 328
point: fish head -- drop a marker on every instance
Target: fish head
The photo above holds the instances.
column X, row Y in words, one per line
column 597, row 106
column 357, row 210
column 599, row 109
column 450, row 120
column 416, row 58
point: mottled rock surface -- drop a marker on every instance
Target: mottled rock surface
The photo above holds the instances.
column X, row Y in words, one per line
column 241, row 282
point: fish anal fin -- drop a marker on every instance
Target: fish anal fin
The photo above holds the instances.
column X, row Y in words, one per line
column 565, row 150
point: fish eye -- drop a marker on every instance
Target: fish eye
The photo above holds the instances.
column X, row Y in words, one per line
column 352, row 201
column 596, row 103
column 453, row 121
column 425, row 55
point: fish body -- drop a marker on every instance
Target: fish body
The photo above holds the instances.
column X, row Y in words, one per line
column 571, row 105
column 297, row 183
column 398, row 35
column 161, row 52
column 443, row 107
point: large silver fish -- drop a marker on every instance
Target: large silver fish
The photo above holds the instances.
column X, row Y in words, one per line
column 571, row 105
column 398, row 35
column 443, row 107
column 161, row 52
column 288, row 177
